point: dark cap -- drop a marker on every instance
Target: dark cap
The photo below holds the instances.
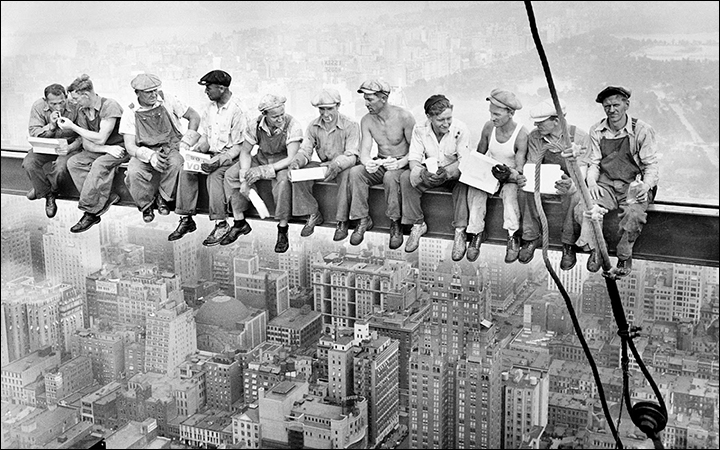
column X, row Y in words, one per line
column 216, row 77
column 612, row 90
column 434, row 99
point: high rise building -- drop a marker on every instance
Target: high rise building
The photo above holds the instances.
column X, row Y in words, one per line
column 432, row 251
column 223, row 381
column 294, row 262
column 572, row 279
column 506, row 280
column 340, row 368
column 67, row 379
column 21, row 373
column 105, row 350
column 525, row 398
column 429, row 422
column 179, row 257
column 376, row 378
column 265, row 289
column 170, row 337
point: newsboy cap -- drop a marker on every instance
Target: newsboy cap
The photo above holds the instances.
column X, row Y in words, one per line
column 327, row 97
column 270, row 101
column 216, row 77
column 612, row 90
column 374, row 86
column 545, row 109
column 145, row 82
column 504, row 99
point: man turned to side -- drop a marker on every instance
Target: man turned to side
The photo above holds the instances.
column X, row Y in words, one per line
column 546, row 145
column 335, row 139
column 48, row 172
column 278, row 136
column 93, row 169
column 622, row 172
column 151, row 130
column 505, row 141
column 223, row 123
column 391, row 128
column 446, row 140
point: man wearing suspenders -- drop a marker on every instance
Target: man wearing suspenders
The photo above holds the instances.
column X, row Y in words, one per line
column 545, row 145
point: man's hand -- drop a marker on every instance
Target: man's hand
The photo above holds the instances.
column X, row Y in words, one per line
column 54, row 116
column 211, row 166
column 296, row 163
column 432, row 180
column 159, row 161
column 573, row 151
column 265, row 172
column 565, row 185
column 392, row 164
column 596, row 192
column 642, row 195
column 333, row 169
column 501, row 172
column 115, row 151
column 521, row 180
column 64, row 123
column 373, row 165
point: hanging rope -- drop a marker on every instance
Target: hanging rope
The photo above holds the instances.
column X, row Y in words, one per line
column 648, row 416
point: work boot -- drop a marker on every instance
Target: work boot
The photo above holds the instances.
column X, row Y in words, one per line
column 162, row 206
column 341, row 230
column 527, row 250
column 148, row 214
column 112, row 199
column 359, row 233
column 568, row 259
column 309, row 228
column 624, row 267
column 512, row 249
column 50, row 205
column 282, row 243
column 187, row 225
column 594, row 261
column 86, row 221
column 459, row 244
column 396, row 235
column 213, row 239
column 413, row 241
column 235, row 232
column 473, row 250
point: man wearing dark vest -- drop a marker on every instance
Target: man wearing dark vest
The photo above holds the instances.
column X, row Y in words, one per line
column 278, row 136
column 151, row 130
column 546, row 146
column 623, row 151
column 93, row 169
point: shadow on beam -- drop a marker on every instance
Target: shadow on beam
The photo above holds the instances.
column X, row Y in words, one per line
column 686, row 234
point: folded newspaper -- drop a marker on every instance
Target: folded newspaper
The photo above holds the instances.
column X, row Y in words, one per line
column 476, row 171
column 48, row 146
column 193, row 160
column 549, row 174
column 309, row 173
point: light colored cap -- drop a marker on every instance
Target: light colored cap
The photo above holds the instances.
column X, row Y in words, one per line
column 327, row 98
column 545, row 109
column 504, row 99
column 374, row 86
column 145, row 82
column 270, row 101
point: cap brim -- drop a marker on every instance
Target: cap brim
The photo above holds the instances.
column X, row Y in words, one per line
column 366, row 91
column 325, row 105
column 540, row 119
column 497, row 103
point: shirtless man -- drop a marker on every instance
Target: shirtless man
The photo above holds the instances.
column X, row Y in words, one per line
column 391, row 128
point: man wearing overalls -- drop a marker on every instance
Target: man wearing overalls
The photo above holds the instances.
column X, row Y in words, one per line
column 278, row 137
column 622, row 150
column 151, row 131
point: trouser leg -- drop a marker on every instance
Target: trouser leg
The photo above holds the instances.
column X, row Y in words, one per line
column 511, row 210
column 411, row 200
column 360, row 181
column 282, row 194
column 477, row 206
column 393, row 197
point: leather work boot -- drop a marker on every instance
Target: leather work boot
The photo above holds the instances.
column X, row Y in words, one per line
column 527, row 250
column 282, row 243
column 359, row 233
column 512, row 249
column 162, row 206
column 569, row 258
column 459, row 244
column 187, row 225
column 235, row 232
column 341, row 230
column 50, row 205
column 473, row 250
column 213, row 239
column 86, row 221
column 309, row 228
column 413, row 241
column 624, row 267
column 594, row 261
column 148, row 214
column 396, row 235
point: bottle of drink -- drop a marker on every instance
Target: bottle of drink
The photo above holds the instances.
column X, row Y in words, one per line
column 634, row 189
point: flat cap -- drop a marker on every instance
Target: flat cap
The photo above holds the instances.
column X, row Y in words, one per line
column 327, row 97
column 545, row 109
column 374, row 86
column 504, row 99
column 270, row 101
column 612, row 90
column 216, row 77
column 145, row 82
